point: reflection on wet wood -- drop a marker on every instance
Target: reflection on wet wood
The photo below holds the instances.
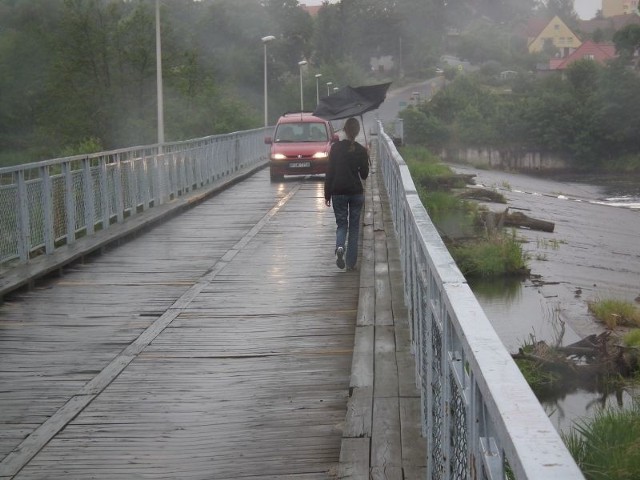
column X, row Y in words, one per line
column 249, row 376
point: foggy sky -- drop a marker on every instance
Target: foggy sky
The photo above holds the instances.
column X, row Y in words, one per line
column 586, row 9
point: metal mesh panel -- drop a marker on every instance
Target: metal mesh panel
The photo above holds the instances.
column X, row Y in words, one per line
column 59, row 211
column 78, row 192
column 111, row 189
column 97, row 192
column 141, row 181
column 128, row 175
column 458, row 414
column 35, row 203
column 8, row 223
column 437, row 449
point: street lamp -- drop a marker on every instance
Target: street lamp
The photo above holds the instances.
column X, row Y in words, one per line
column 301, row 63
column 266, row 40
column 318, row 75
column 328, row 85
column 159, row 78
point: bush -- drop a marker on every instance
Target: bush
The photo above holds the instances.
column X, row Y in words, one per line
column 498, row 254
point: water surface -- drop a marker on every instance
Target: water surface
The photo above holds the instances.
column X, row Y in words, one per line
column 593, row 253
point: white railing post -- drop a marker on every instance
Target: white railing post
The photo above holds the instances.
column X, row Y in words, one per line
column 24, row 237
column 89, row 205
column 69, row 202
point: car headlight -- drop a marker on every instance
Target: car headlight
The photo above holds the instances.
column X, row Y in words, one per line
column 278, row 156
column 320, row 155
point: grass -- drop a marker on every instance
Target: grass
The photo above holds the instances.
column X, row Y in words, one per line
column 495, row 255
column 608, row 445
column 632, row 338
column 613, row 312
column 428, row 171
column 492, row 255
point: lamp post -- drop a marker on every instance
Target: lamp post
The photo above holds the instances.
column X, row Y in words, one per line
column 159, row 78
column 301, row 63
column 329, row 85
column 266, row 40
column 318, row 75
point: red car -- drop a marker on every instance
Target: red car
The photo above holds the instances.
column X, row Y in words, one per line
column 300, row 145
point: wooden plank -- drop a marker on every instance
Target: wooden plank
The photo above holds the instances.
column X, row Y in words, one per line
column 414, row 445
column 386, row 447
column 217, row 341
column 354, row 459
column 359, row 414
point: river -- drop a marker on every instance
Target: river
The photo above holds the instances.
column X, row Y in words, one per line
column 593, row 253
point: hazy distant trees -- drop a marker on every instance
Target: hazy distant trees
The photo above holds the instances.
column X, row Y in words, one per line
column 589, row 115
column 82, row 72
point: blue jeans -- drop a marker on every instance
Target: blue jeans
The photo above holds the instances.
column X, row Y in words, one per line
column 347, row 210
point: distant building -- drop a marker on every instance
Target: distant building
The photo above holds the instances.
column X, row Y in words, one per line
column 608, row 25
column 310, row 9
column 598, row 52
column 611, row 8
column 382, row 64
column 554, row 32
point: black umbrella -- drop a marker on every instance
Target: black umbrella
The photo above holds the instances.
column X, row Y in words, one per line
column 351, row 101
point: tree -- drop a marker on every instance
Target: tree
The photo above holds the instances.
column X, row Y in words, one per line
column 627, row 40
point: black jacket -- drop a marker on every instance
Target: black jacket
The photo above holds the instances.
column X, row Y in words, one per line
column 348, row 163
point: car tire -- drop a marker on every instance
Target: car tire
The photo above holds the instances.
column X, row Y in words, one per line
column 275, row 177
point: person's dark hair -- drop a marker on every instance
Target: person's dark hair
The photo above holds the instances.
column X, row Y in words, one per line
column 351, row 130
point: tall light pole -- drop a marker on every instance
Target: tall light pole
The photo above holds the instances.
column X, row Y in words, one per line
column 318, row 75
column 329, row 85
column 159, row 77
column 266, row 40
column 301, row 63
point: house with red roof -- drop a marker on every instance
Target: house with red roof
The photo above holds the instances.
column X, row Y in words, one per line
column 598, row 52
column 311, row 9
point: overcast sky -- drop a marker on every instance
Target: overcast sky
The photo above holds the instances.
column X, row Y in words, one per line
column 586, row 9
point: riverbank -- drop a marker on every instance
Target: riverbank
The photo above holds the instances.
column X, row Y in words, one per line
column 592, row 253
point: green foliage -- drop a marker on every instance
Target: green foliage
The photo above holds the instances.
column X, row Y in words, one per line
column 589, row 114
column 499, row 254
column 607, row 446
column 88, row 145
column 614, row 312
column 539, row 379
column 632, row 338
column 627, row 40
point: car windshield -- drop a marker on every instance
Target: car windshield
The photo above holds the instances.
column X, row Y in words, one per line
column 301, row 132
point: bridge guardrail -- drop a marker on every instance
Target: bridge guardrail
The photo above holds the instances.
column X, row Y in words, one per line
column 479, row 416
column 49, row 204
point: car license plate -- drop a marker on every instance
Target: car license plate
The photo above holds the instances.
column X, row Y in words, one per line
column 300, row 164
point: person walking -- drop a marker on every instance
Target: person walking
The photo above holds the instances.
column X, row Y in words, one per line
column 348, row 166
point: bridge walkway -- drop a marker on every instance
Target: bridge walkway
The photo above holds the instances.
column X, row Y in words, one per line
column 223, row 343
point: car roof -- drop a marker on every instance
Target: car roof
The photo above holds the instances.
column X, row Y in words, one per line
column 297, row 117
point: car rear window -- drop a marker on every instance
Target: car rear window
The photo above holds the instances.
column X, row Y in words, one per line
column 301, row 132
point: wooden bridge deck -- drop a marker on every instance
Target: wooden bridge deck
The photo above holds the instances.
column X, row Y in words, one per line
column 218, row 345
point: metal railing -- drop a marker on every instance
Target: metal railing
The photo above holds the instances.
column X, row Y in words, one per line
column 48, row 204
column 479, row 416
